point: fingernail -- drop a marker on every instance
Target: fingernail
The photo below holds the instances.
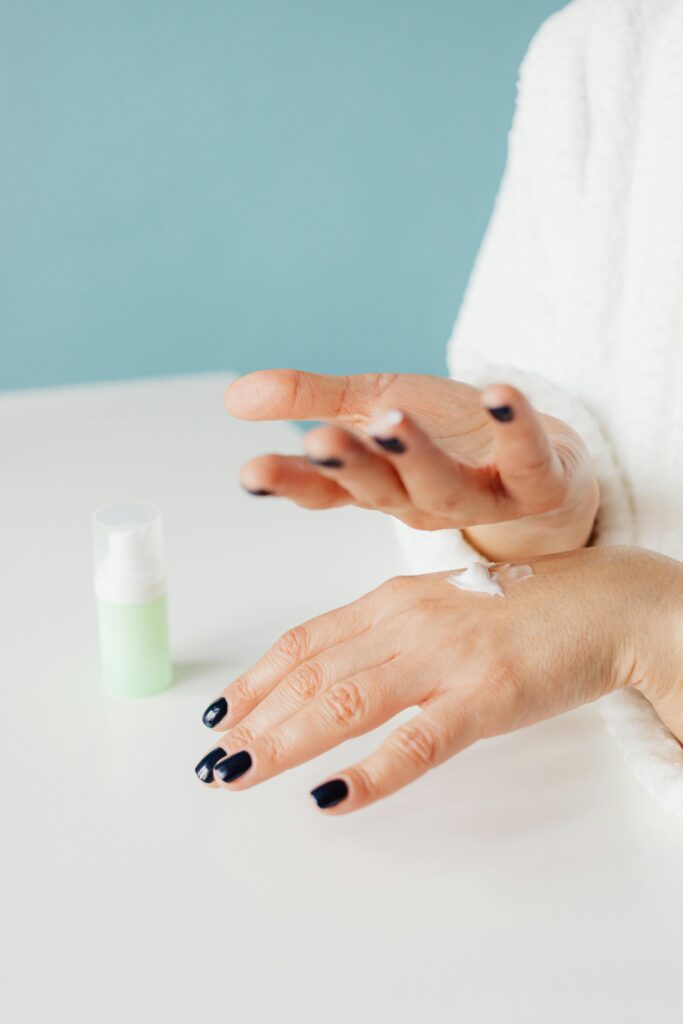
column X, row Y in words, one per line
column 503, row 413
column 204, row 769
column 215, row 712
column 259, row 492
column 234, row 766
column 330, row 793
column 390, row 444
column 327, row 463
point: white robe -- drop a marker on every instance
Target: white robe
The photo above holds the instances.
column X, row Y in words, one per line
column 577, row 292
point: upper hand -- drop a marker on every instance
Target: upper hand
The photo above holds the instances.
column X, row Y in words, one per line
column 447, row 456
column 585, row 623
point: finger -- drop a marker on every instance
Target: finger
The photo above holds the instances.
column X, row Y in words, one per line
column 363, row 474
column 433, row 480
column 293, row 477
column 428, row 739
column 204, row 769
column 313, row 677
column 296, row 395
column 292, row 649
column 347, row 709
column 529, row 467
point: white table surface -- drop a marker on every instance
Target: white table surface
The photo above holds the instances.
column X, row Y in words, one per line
column 529, row 879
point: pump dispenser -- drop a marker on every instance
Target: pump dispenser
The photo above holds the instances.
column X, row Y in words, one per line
column 130, row 587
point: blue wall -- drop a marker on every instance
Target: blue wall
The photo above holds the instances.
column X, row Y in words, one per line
column 189, row 185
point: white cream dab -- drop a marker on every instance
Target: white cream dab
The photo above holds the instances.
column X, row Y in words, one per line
column 384, row 421
column 479, row 578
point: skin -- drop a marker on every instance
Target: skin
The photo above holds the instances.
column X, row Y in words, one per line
column 586, row 623
column 518, row 489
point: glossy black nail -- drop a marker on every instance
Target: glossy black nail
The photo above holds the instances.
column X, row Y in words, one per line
column 502, row 413
column 234, row 766
column 330, row 793
column 215, row 713
column 259, row 492
column 327, row 463
column 390, row 444
column 204, row 769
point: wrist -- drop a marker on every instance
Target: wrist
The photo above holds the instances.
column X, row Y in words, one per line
column 659, row 674
column 534, row 536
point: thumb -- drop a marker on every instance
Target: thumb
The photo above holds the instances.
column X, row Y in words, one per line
column 529, row 466
column 296, row 395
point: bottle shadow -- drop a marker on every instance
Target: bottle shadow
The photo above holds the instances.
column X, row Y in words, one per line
column 198, row 670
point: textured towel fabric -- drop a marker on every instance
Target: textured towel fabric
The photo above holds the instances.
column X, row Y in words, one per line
column 579, row 284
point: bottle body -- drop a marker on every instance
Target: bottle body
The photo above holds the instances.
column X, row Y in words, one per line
column 134, row 646
column 130, row 587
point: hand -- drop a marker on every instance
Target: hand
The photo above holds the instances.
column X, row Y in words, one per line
column 587, row 622
column 446, row 456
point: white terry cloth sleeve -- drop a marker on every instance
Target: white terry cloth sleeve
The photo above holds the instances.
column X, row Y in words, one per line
column 653, row 754
column 511, row 299
column 508, row 310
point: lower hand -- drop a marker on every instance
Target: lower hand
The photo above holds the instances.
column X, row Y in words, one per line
column 586, row 623
column 435, row 453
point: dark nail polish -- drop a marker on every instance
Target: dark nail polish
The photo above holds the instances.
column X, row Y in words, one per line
column 234, row 766
column 330, row 793
column 215, row 712
column 205, row 767
column 260, row 492
column 390, row 444
column 327, row 463
column 503, row 413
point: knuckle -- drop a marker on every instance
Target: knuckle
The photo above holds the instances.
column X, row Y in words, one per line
column 396, row 585
column 501, row 703
column 541, row 462
column 242, row 736
column 295, row 388
column 505, row 688
column 425, row 604
column 346, row 703
column 344, row 392
column 381, row 383
column 501, row 674
column 572, row 456
column 418, row 745
column 291, row 646
column 242, row 691
column 535, row 466
column 365, row 784
column 307, row 681
column 272, row 748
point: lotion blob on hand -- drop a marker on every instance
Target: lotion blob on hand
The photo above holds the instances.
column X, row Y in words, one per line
column 479, row 578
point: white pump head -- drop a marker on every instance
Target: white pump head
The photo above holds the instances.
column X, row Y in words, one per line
column 129, row 553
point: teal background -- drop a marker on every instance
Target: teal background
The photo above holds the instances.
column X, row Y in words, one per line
column 189, row 185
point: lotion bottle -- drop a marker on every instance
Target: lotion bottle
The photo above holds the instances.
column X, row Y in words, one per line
column 130, row 588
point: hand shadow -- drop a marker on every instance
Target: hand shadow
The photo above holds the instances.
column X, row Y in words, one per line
column 523, row 782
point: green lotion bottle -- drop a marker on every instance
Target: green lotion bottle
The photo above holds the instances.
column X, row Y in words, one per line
column 130, row 587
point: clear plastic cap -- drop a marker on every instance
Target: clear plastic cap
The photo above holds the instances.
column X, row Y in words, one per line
column 129, row 552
